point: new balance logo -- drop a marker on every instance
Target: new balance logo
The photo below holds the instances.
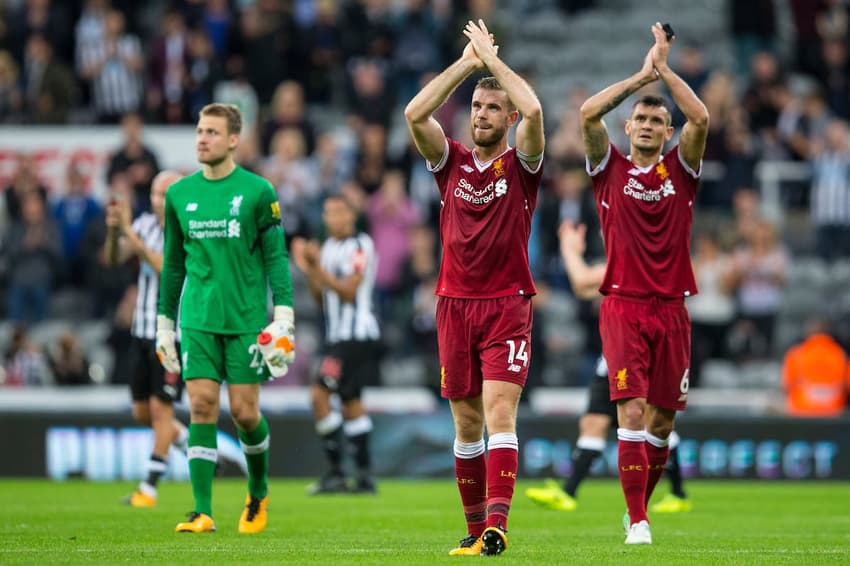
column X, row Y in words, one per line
column 514, row 368
column 634, row 171
column 467, row 168
column 192, row 207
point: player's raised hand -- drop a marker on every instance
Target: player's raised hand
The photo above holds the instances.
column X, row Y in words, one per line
column 572, row 238
column 648, row 68
column 661, row 50
column 481, row 40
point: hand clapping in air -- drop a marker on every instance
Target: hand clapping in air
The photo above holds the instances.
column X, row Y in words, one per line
column 482, row 43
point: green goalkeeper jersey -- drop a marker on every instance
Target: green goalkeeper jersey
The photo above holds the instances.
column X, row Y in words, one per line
column 225, row 239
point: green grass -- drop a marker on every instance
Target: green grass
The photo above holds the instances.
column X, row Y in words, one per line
column 417, row 522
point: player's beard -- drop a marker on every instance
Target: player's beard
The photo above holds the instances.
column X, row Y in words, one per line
column 487, row 138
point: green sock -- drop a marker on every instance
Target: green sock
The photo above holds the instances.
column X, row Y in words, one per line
column 255, row 444
column 203, row 454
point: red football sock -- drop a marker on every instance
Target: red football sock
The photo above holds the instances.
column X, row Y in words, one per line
column 471, row 474
column 634, row 474
column 657, row 457
column 502, row 458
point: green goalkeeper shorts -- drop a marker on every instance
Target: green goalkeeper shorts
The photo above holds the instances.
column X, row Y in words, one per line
column 234, row 358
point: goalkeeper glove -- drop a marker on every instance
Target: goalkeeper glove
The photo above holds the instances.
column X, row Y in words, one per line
column 277, row 341
column 166, row 349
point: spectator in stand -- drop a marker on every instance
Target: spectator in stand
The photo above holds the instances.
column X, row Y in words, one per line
column 25, row 363
column 268, row 50
column 50, row 86
column 372, row 157
column 746, row 204
column 11, row 99
column 204, row 70
column 329, row 165
column 807, row 39
column 32, row 250
column 74, row 212
column 834, row 76
column 691, row 67
column 759, row 100
column 323, row 42
column 135, row 160
column 759, row 271
column 114, row 70
column 68, row 362
column 39, row 17
column 713, row 309
column 371, row 99
column 168, row 69
column 106, row 284
column 416, row 52
column 830, row 206
column 392, row 218
column 288, row 111
column 288, row 170
column 566, row 148
column 24, row 180
column 753, row 27
column 367, row 29
column 217, row 22
column 833, row 19
column 816, row 374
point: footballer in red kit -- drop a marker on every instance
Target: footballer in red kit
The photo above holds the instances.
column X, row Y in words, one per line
column 645, row 202
column 488, row 195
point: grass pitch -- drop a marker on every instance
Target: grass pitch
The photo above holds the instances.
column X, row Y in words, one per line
column 417, row 522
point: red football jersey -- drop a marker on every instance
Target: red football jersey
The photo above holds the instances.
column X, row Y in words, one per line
column 646, row 215
column 485, row 223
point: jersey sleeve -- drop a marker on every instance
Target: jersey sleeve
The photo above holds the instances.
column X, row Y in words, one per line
column 173, row 262
column 442, row 169
column 273, row 246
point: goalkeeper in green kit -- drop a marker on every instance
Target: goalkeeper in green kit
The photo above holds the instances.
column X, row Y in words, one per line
column 223, row 236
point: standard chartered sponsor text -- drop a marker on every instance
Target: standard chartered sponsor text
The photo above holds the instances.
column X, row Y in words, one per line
column 201, row 229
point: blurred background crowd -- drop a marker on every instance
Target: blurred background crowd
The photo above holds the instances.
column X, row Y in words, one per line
column 322, row 85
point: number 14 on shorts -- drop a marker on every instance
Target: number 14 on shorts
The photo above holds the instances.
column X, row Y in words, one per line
column 516, row 354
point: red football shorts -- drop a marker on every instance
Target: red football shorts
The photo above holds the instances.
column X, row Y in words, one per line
column 482, row 339
column 647, row 344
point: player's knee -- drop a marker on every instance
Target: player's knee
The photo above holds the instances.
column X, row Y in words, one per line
column 246, row 416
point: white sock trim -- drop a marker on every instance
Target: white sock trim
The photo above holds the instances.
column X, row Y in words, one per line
column 358, row 426
column 629, row 435
column 203, row 453
column 655, row 441
column 468, row 450
column 674, row 440
column 591, row 443
column 147, row 489
column 256, row 448
column 329, row 423
column 156, row 466
column 503, row 440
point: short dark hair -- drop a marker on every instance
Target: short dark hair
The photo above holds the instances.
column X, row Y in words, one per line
column 655, row 102
column 229, row 111
column 491, row 83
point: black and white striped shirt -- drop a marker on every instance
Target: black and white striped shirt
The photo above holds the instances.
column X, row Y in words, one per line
column 350, row 321
column 116, row 88
column 831, row 189
column 147, row 227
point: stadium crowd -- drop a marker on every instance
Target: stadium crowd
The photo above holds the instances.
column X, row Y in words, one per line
column 321, row 85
